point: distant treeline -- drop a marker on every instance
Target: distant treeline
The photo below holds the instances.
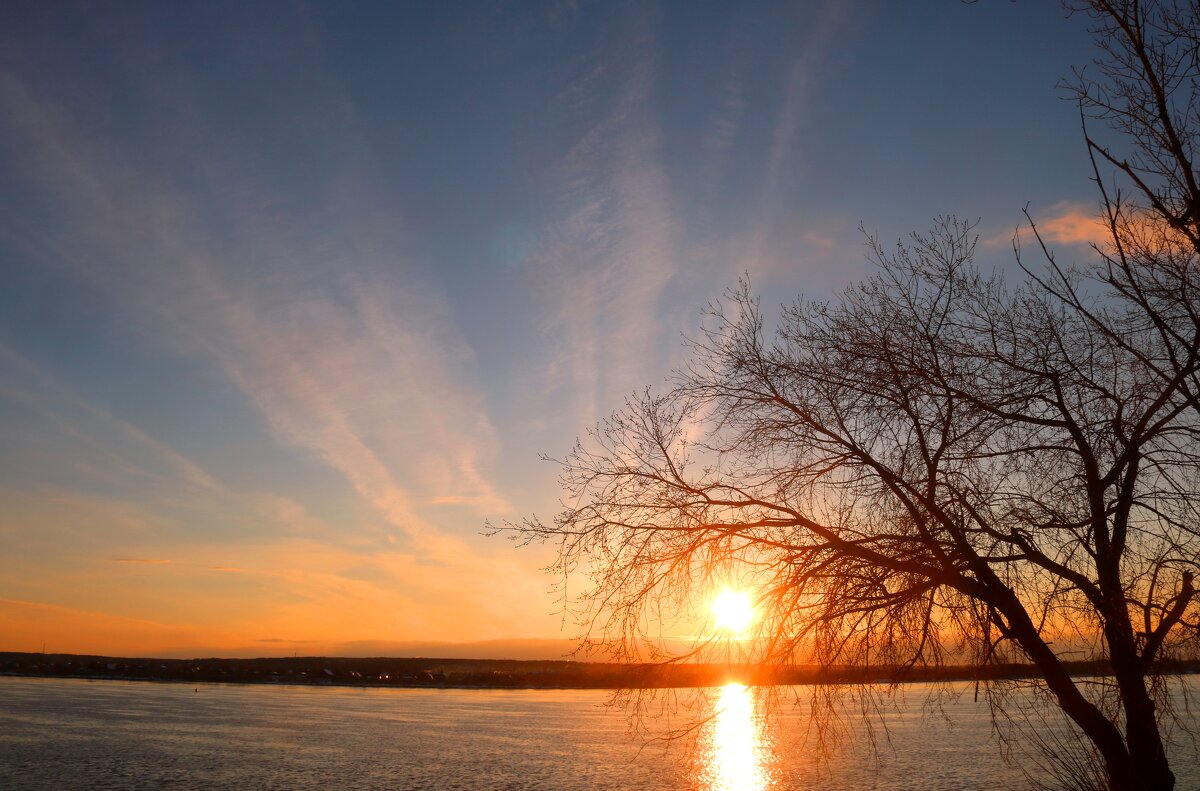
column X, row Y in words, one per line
column 496, row 673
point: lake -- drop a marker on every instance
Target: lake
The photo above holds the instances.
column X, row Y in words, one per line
column 62, row 733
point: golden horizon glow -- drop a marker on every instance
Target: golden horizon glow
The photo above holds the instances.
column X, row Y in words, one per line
column 734, row 760
column 733, row 611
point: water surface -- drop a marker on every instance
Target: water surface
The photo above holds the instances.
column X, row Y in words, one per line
column 70, row 734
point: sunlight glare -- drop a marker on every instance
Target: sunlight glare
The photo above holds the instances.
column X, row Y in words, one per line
column 734, row 761
column 733, row 611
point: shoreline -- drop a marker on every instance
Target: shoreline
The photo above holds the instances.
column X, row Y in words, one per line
column 497, row 674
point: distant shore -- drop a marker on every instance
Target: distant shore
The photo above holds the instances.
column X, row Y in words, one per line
column 435, row 672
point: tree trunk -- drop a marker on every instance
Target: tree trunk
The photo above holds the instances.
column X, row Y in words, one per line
column 1147, row 768
column 1147, row 755
column 1126, row 770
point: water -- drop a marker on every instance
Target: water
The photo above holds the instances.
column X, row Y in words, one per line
column 111, row 734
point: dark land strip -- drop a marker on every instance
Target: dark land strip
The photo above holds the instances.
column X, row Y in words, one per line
column 434, row 672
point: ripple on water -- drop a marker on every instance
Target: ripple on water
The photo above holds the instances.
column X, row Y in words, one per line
column 58, row 733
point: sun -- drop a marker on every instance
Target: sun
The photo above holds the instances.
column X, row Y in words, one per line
column 733, row 611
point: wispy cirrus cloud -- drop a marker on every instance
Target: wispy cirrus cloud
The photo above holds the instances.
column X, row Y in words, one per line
column 103, row 443
column 609, row 253
column 305, row 574
column 343, row 354
column 346, row 348
column 758, row 248
column 327, row 586
column 80, row 465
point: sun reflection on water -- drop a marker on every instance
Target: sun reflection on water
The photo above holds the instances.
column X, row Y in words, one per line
column 734, row 754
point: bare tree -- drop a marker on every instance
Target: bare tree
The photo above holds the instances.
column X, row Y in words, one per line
column 938, row 465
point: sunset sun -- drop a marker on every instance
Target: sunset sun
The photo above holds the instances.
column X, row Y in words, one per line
column 733, row 611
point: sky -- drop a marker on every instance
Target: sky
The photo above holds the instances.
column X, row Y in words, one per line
column 293, row 296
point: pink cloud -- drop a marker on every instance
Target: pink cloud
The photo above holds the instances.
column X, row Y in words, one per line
column 1063, row 223
column 1073, row 225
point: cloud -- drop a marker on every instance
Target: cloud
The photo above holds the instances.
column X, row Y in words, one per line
column 81, row 466
column 349, row 354
column 1065, row 223
column 314, row 589
column 812, row 52
column 27, row 626
column 772, row 239
column 608, row 255
column 347, row 349
column 317, row 590
column 113, row 445
column 1072, row 224
column 300, row 572
column 819, row 239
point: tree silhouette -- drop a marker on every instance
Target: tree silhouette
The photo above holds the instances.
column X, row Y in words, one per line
column 939, row 465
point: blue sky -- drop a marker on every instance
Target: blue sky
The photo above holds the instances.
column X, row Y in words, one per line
column 295, row 294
